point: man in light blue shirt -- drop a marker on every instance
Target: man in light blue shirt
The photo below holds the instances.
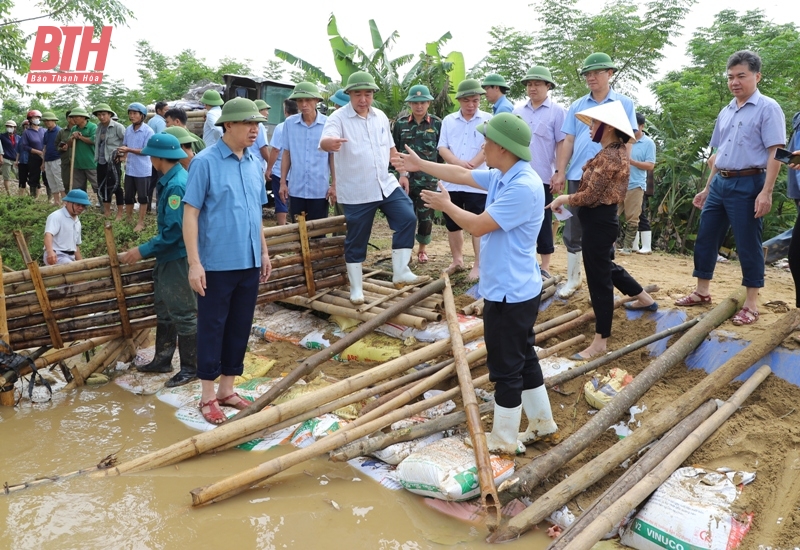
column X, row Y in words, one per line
column 138, row 168
column 212, row 101
column 307, row 167
column 738, row 193
column 577, row 149
column 260, row 148
column 496, row 90
column 643, row 159
column 510, row 280
column 275, row 159
column 227, row 252
column 158, row 123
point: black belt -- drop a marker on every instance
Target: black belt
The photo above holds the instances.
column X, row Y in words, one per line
column 741, row 173
column 67, row 252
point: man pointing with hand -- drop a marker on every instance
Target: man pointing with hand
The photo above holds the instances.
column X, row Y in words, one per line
column 359, row 137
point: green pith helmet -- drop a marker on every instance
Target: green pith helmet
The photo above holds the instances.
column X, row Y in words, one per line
column 598, row 61
column 79, row 111
column 103, row 107
column 211, row 97
column 305, row 90
column 261, row 104
column 537, row 72
column 419, row 93
column 509, row 132
column 182, row 134
column 469, row 87
column 47, row 115
column 360, row 80
column 240, row 109
column 164, row 146
column 494, row 80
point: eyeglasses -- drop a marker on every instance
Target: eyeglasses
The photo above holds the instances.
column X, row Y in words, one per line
column 594, row 74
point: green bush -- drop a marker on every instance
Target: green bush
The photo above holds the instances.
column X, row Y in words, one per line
column 30, row 215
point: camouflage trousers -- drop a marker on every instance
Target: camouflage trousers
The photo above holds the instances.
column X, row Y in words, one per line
column 424, row 214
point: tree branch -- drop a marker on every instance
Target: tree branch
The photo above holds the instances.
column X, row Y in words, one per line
column 18, row 21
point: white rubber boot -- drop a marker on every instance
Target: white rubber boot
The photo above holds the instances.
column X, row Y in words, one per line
column 574, row 281
column 503, row 438
column 647, row 241
column 401, row 273
column 635, row 245
column 536, row 405
column 356, row 292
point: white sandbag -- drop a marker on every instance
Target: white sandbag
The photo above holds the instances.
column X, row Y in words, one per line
column 395, row 454
column 446, row 470
column 275, row 323
column 383, row 473
column 315, row 428
column 692, row 509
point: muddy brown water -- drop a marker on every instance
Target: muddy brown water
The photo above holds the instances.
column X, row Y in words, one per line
column 152, row 510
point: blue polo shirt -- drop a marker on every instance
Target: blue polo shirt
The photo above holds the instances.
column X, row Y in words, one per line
column 584, row 149
column 277, row 144
column 644, row 150
column 503, row 105
column 309, row 174
column 51, row 152
column 515, row 200
column 229, row 193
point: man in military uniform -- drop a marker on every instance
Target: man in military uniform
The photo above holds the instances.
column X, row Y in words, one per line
column 176, row 117
column 421, row 132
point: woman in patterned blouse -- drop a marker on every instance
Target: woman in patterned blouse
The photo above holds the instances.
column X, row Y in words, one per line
column 603, row 186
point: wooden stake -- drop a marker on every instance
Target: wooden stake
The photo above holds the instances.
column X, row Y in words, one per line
column 3, row 318
column 72, row 166
column 115, row 274
column 337, row 347
column 617, row 511
column 41, row 293
column 301, row 226
column 387, row 297
column 489, row 499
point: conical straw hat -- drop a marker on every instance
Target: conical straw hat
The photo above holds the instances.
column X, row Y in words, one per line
column 611, row 113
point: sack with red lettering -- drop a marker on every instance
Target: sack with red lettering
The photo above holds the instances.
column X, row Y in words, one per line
column 691, row 509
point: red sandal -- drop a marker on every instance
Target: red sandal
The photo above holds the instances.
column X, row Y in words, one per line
column 746, row 316
column 214, row 414
column 688, row 301
column 240, row 404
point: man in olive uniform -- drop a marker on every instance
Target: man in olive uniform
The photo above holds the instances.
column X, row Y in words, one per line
column 83, row 136
column 176, row 117
column 174, row 300
column 187, row 141
column 420, row 131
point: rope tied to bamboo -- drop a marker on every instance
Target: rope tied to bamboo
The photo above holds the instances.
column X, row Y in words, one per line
column 14, row 362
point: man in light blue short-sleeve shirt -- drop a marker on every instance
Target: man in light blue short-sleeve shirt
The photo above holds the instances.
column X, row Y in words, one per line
column 510, row 282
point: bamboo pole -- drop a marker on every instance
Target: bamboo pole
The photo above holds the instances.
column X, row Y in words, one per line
column 414, row 377
column 586, row 317
column 62, row 269
column 369, row 445
column 490, row 502
column 298, row 279
column 306, row 253
column 105, row 463
column 242, row 481
column 664, row 420
column 386, row 297
column 594, row 532
column 635, row 473
column 279, row 295
column 109, row 355
column 431, row 302
column 525, row 479
column 3, row 318
column 555, row 321
column 41, row 293
column 117, row 278
column 82, row 299
column 292, row 238
column 351, row 313
column 574, row 372
column 337, row 347
column 200, row 443
column 78, row 276
column 84, row 323
column 79, row 311
column 72, row 166
column 112, row 330
column 293, row 228
column 314, row 244
column 342, row 297
column 315, row 254
column 469, row 309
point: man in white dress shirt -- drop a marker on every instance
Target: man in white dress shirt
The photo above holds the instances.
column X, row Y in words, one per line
column 361, row 141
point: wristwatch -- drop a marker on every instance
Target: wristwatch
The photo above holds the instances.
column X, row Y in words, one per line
column 403, row 174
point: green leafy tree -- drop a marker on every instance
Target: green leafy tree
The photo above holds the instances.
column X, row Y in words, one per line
column 14, row 36
column 634, row 34
column 511, row 53
column 690, row 100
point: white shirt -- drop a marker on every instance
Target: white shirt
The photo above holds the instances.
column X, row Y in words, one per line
column 65, row 229
column 362, row 164
column 464, row 140
column 211, row 132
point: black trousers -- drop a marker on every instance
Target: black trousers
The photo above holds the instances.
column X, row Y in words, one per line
column 35, row 165
column 794, row 256
column 512, row 361
column 544, row 242
column 108, row 184
column 600, row 228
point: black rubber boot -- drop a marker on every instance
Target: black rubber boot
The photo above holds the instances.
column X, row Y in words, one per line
column 187, row 348
column 166, row 336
